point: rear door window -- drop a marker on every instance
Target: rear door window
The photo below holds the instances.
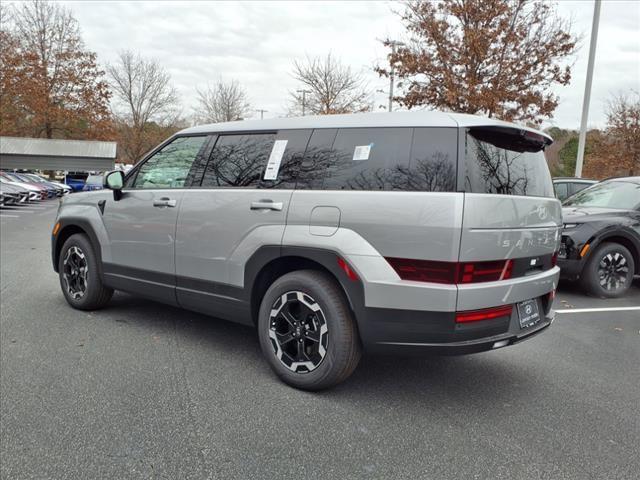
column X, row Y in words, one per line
column 497, row 164
column 238, row 160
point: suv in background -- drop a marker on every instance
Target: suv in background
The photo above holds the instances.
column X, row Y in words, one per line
column 564, row 187
column 600, row 243
column 404, row 232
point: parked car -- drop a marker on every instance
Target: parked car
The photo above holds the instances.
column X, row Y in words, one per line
column 564, row 187
column 75, row 180
column 35, row 193
column 13, row 194
column 93, row 182
column 330, row 234
column 47, row 192
column 601, row 236
column 60, row 188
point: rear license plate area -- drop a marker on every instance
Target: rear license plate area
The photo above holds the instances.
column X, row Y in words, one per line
column 528, row 313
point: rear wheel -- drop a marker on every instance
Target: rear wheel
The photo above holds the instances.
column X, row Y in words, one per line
column 609, row 271
column 79, row 277
column 307, row 332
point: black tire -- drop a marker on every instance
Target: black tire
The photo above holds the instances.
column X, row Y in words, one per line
column 340, row 339
column 89, row 293
column 609, row 271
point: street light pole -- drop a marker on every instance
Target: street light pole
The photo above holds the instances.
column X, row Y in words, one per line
column 392, row 73
column 262, row 112
column 304, row 99
column 582, row 139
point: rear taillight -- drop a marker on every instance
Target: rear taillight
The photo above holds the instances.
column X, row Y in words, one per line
column 484, row 314
column 554, row 259
column 451, row 272
column 424, row 270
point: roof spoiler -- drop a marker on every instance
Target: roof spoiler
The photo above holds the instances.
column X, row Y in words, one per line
column 512, row 138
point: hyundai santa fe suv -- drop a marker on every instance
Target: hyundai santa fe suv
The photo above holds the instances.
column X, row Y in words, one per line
column 399, row 232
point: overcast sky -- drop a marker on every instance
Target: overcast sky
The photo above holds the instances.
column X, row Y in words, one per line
column 256, row 43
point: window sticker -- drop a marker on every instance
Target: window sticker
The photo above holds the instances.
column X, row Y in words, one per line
column 273, row 165
column 362, row 152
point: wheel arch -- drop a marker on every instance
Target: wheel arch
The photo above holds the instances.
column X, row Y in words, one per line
column 623, row 238
column 270, row 263
column 69, row 227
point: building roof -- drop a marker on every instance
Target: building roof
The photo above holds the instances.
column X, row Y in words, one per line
column 422, row 118
column 45, row 147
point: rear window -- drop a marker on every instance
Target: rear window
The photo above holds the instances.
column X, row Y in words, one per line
column 497, row 164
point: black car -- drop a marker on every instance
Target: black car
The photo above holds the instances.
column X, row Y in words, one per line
column 601, row 236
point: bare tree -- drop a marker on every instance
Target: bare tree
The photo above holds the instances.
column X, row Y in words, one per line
column 222, row 102
column 329, row 87
column 146, row 103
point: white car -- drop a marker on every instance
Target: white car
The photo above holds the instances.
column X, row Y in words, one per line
column 35, row 194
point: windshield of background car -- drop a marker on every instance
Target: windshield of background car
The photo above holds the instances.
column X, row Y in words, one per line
column 496, row 164
column 94, row 180
column 613, row 194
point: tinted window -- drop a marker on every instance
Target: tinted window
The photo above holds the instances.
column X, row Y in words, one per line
column 292, row 158
column 433, row 162
column 577, row 186
column 362, row 158
column 318, row 159
column 492, row 165
column 613, row 194
column 561, row 190
column 238, row 160
column 169, row 167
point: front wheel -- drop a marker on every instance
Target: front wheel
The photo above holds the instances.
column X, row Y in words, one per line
column 307, row 332
column 609, row 271
column 79, row 276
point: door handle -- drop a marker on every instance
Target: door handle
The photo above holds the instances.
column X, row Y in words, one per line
column 164, row 202
column 266, row 205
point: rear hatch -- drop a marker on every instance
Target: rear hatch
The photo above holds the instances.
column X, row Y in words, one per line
column 510, row 214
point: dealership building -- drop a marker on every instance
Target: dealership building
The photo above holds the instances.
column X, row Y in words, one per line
column 54, row 154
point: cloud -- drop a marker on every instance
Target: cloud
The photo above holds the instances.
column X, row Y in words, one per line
column 256, row 43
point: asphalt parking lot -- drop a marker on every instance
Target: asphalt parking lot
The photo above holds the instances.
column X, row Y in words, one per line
column 142, row 390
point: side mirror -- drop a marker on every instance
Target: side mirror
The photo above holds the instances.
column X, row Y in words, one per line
column 115, row 181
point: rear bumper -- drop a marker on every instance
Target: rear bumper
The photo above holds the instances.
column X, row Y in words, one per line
column 437, row 333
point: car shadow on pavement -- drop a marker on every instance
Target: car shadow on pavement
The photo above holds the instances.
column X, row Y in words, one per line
column 472, row 379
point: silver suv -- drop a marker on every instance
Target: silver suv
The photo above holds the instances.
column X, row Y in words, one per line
column 422, row 231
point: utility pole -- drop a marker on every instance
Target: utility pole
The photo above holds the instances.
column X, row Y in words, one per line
column 262, row 112
column 582, row 139
column 304, row 99
column 392, row 73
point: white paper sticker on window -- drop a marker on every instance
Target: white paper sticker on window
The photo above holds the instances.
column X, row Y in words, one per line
column 273, row 165
column 362, row 152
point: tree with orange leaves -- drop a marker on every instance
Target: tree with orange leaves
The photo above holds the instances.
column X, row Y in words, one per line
column 491, row 57
column 50, row 85
column 617, row 151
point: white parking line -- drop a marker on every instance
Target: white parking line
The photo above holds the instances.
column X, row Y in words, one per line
column 593, row 310
column 13, row 216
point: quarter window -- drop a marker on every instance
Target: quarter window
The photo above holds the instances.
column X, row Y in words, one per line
column 169, row 167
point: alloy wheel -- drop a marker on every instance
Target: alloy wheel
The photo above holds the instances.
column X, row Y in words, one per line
column 75, row 271
column 612, row 271
column 298, row 331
